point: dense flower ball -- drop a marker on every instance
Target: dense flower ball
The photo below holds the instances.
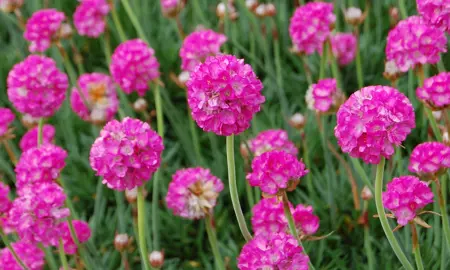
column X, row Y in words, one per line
column 6, row 118
column 413, row 42
column 224, row 94
column 344, row 47
column 277, row 251
column 99, row 94
column 306, row 222
column 310, row 26
column 405, row 196
column 199, row 45
column 36, row 86
column 272, row 139
column 126, row 154
column 275, row 170
column 193, row 192
column 171, row 8
column 133, row 66
column 436, row 13
column 373, row 121
column 37, row 213
column 10, row 5
column 5, row 203
column 82, row 231
column 435, row 91
column 429, row 159
column 30, row 254
column 324, row 96
column 43, row 28
column 90, row 17
column 30, row 139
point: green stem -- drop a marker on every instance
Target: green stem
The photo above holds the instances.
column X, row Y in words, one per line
column 11, row 249
column 40, row 130
column 141, row 227
column 402, row 7
column 362, row 173
column 199, row 11
column 49, row 257
column 383, row 219
column 443, row 208
column 306, row 69
column 416, row 247
column 334, row 66
column 118, row 25
column 134, row 20
column 68, row 66
column 367, row 241
column 62, row 256
column 213, row 242
column 434, row 127
column 323, row 61
column 195, row 139
column 309, row 183
column 233, row 189
column 159, row 110
column 121, row 211
column 359, row 72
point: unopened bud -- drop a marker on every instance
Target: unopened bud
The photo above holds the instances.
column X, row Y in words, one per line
column 221, row 10
column 29, row 121
column 251, row 4
column 391, row 71
column 173, row 9
column 445, row 138
column 10, row 5
column 121, row 242
column 131, row 195
column 260, row 10
column 65, row 32
column 270, row 10
column 244, row 151
column 297, row 121
column 394, row 15
column 183, row 77
column 156, row 259
column 437, row 115
column 366, row 193
column 354, row 16
column 140, row 105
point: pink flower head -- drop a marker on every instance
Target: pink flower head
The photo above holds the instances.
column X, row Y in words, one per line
column 305, row 221
column 6, row 118
column 429, row 159
column 324, row 96
column 413, row 42
column 36, row 86
column 37, row 213
column 193, row 192
column 82, row 231
column 198, row 45
column 373, row 121
column 435, row 91
column 344, row 47
column 99, row 94
column 272, row 139
column 30, row 139
column 126, row 154
column 171, row 8
column 43, row 28
column 5, row 203
column 90, row 17
column 40, row 164
column 224, row 94
column 133, row 66
column 276, row 251
column 405, row 196
column 275, row 170
column 310, row 26
column 10, row 5
column 30, row 254
column 436, row 13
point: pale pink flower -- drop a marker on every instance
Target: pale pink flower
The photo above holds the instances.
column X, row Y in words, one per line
column 435, row 91
column 30, row 139
column 90, row 17
column 6, row 118
column 435, row 12
column 272, row 139
column 43, row 28
column 30, row 254
column 324, row 96
column 429, row 159
column 344, row 47
column 82, row 231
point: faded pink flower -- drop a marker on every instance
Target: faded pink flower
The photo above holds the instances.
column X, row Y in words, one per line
column 272, row 139
column 90, row 17
column 193, row 192
column 6, row 118
column 82, row 231
column 126, row 154
column 310, row 26
column 324, row 96
column 10, row 5
column 276, row 251
column 429, row 159
column 30, row 139
column 43, row 28
column 373, row 121
column 30, row 254
column 435, row 12
column 5, row 203
column 435, row 91
column 36, row 86
column 224, row 94
column 98, row 102
column 344, row 47
column 413, row 42
column 133, row 66
column 405, row 196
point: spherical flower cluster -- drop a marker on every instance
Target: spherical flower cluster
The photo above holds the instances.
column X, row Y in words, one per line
column 373, row 121
column 126, row 154
column 133, row 66
column 324, row 96
column 90, row 17
column 344, row 47
column 413, row 42
column 6, row 118
column 171, row 8
column 30, row 254
column 198, row 45
column 224, row 94
column 310, row 26
column 405, row 196
column 43, row 28
column 436, row 13
column 277, row 251
column 37, row 213
column 275, row 170
column 30, row 139
column 10, row 5
column 36, row 86
column 5, row 203
column 306, row 222
column 429, row 159
column 193, row 192
column 82, row 231
column 435, row 91
column 95, row 98
column 272, row 139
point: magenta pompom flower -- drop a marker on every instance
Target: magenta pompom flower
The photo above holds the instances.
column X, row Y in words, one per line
column 171, row 8
column 324, row 96
column 36, row 86
column 90, row 17
column 310, row 27
column 30, row 139
column 224, row 94
column 126, row 154
column 276, row 170
column 134, row 66
column 29, row 254
column 413, row 42
column 193, row 192
column 435, row 91
column 5, row 203
column 306, row 222
column 6, row 118
column 436, row 13
column 95, row 98
column 82, row 231
column 430, row 159
column 344, row 47
column 405, row 196
column 276, row 251
column 198, row 45
column 43, row 28
column 373, row 121
column 272, row 139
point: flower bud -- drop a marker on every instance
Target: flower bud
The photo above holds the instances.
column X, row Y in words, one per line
column 391, row 71
column 222, row 10
column 445, row 138
column 244, row 151
column 65, row 32
column 183, row 77
column 260, row 10
column 366, row 193
column 156, row 259
column 297, row 121
column 10, row 5
column 394, row 15
column 140, row 105
column 354, row 16
column 270, row 10
column 121, row 242
column 251, row 4
column 437, row 115
column 131, row 195
column 29, row 121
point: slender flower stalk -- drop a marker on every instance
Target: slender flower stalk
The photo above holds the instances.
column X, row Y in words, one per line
column 118, row 25
column 362, row 173
column 141, row 227
column 359, row 72
column 134, row 20
column 367, row 240
column 13, row 252
column 443, row 208
column 51, row 262
column 62, row 256
column 213, row 242
column 323, row 61
column 416, row 247
column 40, row 130
column 402, row 7
column 67, row 65
column 334, row 65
